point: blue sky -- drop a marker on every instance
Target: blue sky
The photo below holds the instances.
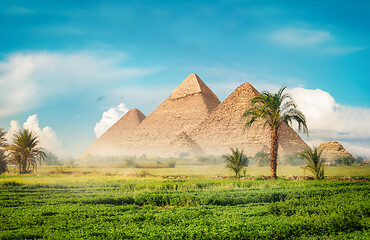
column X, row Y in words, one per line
column 69, row 62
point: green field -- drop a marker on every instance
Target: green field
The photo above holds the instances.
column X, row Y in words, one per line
column 186, row 202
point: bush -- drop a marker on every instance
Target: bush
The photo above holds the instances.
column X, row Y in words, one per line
column 129, row 162
column 345, row 161
column 262, row 158
column 236, row 161
column 171, row 163
column 294, row 160
column 359, row 160
column 51, row 159
column 202, row 160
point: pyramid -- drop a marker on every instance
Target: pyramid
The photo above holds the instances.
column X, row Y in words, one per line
column 223, row 128
column 184, row 144
column 183, row 110
column 107, row 144
column 333, row 150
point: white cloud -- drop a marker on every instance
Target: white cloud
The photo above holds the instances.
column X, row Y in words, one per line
column 110, row 117
column 28, row 78
column 300, row 37
column 19, row 11
column 47, row 136
column 329, row 121
column 344, row 50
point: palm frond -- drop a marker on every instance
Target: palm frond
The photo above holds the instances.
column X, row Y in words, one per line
column 314, row 162
column 236, row 161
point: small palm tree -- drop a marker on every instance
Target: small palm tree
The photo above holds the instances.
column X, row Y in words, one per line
column 25, row 151
column 236, row 161
column 315, row 163
column 274, row 110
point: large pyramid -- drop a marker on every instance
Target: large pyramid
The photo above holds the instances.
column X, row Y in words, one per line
column 181, row 112
column 108, row 143
column 192, row 120
column 223, row 128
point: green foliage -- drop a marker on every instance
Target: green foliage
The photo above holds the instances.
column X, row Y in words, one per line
column 262, row 158
column 294, row 160
column 51, row 159
column 236, row 161
column 202, row 159
column 172, row 163
column 315, row 164
column 129, row 162
column 24, row 151
column 359, row 160
column 273, row 110
column 348, row 161
column 185, row 209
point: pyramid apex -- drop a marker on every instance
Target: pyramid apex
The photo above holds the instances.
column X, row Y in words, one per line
column 191, row 85
column 136, row 112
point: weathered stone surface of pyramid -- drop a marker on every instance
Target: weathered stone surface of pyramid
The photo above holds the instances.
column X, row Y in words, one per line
column 223, row 128
column 333, row 150
column 184, row 144
column 108, row 143
column 183, row 110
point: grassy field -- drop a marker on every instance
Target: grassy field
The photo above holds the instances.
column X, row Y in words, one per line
column 186, row 202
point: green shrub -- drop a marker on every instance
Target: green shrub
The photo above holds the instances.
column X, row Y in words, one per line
column 129, row 162
column 236, row 161
column 262, row 158
column 172, row 163
column 345, row 161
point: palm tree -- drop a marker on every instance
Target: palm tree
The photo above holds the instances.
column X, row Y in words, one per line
column 315, row 163
column 236, row 161
column 274, row 110
column 3, row 159
column 24, row 151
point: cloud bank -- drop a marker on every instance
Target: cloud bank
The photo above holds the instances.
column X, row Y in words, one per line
column 47, row 136
column 329, row 121
column 28, row 78
column 110, row 117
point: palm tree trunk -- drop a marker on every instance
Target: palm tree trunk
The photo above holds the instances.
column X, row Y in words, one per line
column 273, row 152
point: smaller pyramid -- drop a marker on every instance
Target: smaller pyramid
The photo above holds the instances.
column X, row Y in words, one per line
column 184, row 144
column 108, row 143
column 333, row 150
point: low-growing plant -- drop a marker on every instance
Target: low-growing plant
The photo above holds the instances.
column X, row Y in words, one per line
column 172, row 163
column 203, row 160
column 51, row 159
column 262, row 158
column 315, row 163
column 345, row 161
column 236, row 161
column 294, row 160
column 129, row 162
